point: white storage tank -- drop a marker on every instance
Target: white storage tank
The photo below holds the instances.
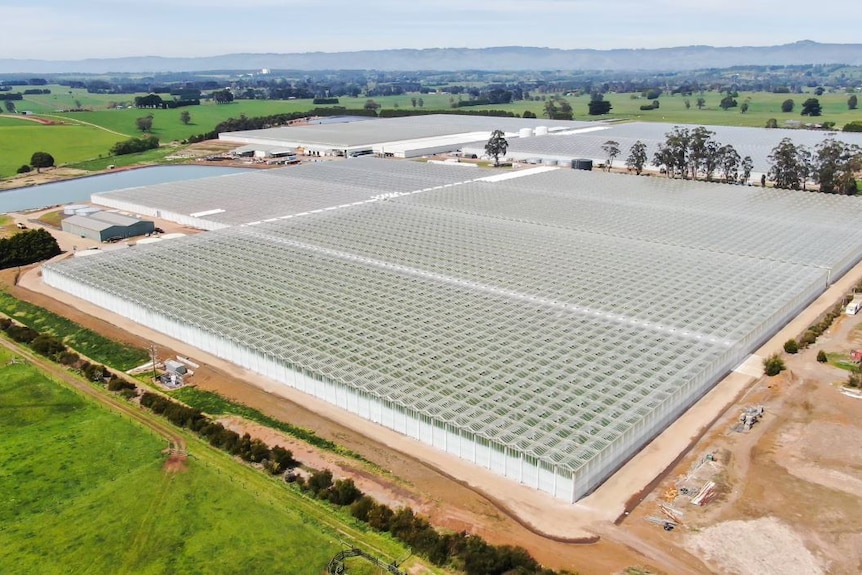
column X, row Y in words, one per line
column 525, row 132
column 541, row 130
column 72, row 209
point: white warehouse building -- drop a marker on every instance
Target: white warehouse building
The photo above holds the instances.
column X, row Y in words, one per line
column 543, row 327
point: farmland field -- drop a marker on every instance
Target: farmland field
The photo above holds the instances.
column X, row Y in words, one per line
column 67, row 143
column 83, row 146
column 85, row 491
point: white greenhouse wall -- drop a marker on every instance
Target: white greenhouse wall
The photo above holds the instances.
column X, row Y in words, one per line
column 524, row 468
column 182, row 219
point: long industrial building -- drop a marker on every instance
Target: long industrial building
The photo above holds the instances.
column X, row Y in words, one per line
column 544, row 327
column 407, row 137
column 564, row 146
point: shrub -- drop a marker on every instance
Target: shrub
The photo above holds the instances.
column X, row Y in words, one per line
column 773, row 365
column 791, row 347
column 808, row 338
column 119, row 384
column 134, row 145
column 68, row 358
column 22, row 333
column 24, row 169
column 821, row 356
column 5, row 323
column 47, row 345
column 362, row 507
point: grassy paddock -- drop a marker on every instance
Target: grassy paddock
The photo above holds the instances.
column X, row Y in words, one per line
column 52, row 218
column 85, row 492
column 67, row 143
column 91, row 344
column 156, row 156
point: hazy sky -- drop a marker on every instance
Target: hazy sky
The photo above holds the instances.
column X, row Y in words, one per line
column 74, row 29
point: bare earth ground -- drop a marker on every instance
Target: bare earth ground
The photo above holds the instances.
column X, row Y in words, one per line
column 793, row 478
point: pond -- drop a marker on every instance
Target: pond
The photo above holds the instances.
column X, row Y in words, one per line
column 79, row 190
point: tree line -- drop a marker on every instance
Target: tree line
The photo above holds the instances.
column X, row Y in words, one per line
column 694, row 154
column 470, row 553
column 27, row 247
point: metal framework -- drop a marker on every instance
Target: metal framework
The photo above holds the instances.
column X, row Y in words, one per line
column 754, row 142
column 544, row 327
column 219, row 202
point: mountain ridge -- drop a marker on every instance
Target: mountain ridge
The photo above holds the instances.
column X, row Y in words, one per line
column 502, row 58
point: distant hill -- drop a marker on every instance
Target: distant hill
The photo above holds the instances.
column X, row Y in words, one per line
column 449, row 59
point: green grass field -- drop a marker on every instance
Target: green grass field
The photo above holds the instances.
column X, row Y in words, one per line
column 89, row 343
column 68, row 143
column 84, row 491
column 86, row 147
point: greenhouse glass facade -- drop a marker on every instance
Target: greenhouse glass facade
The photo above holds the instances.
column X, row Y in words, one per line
column 544, row 327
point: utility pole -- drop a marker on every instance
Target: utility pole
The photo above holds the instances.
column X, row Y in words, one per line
column 154, row 357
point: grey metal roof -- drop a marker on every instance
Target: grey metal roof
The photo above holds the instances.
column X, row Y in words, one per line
column 88, row 223
column 353, row 134
column 114, row 218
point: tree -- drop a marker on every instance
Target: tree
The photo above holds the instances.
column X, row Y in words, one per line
column 528, row 114
column 371, row 105
column 612, row 150
column 728, row 102
column 771, row 123
column 222, row 96
column 687, row 104
column 41, row 160
column 10, row 106
column 27, row 247
column 773, row 365
column 701, row 103
column 819, row 90
column 822, row 357
column 557, row 108
column 637, row 157
column 852, row 102
column 701, row 152
column 420, row 102
column 791, row 346
column 599, row 106
column 496, row 146
column 787, row 105
column 811, row 107
column 834, row 166
column 743, row 108
column 672, row 155
column 788, row 165
column 185, row 117
column 144, row 123
column 747, row 166
column 728, row 163
column 413, row 101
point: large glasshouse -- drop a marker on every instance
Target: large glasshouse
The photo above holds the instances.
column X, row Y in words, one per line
column 544, row 327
